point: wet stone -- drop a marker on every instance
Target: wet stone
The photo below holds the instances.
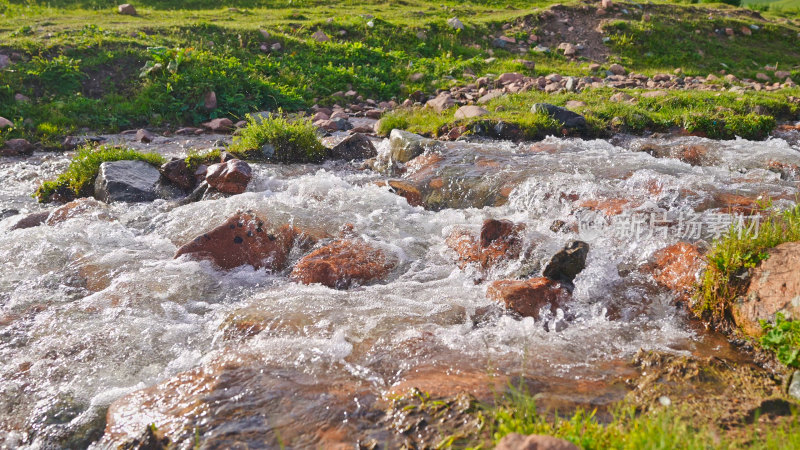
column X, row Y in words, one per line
column 242, row 239
column 355, row 146
column 343, row 263
column 126, row 181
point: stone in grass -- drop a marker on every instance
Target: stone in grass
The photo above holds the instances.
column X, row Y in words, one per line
column 126, row 181
column 470, row 111
column 126, row 9
column 568, row 118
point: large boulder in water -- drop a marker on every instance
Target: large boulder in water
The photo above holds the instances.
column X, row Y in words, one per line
column 243, row 239
column 568, row 118
column 774, row 288
column 341, row 263
column 126, row 181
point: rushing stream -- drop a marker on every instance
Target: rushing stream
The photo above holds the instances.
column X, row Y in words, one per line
column 95, row 308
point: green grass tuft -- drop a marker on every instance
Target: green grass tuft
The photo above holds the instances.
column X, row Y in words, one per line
column 736, row 252
column 659, row 428
column 78, row 179
column 195, row 159
column 291, row 141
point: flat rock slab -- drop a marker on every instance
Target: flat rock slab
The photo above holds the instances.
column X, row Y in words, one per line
column 126, row 181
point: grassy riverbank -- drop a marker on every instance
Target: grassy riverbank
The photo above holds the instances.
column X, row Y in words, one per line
column 79, row 64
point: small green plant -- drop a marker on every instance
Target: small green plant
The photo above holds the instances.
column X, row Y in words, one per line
column 783, row 338
column 195, row 159
column 78, row 179
column 516, row 412
column 275, row 138
column 736, row 252
column 60, row 75
column 161, row 56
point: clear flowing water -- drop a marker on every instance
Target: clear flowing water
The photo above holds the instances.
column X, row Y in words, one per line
column 94, row 309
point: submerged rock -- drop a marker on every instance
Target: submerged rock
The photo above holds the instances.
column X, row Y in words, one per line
column 230, row 177
column 676, row 267
column 774, row 288
column 500, row 240
column 236, row 401
column 355, row 146
column 126, row 181
column 516, row 441
column 568, row 118
column 528, row 297
column 341, row 263
column 78, row 208
column 243, row 239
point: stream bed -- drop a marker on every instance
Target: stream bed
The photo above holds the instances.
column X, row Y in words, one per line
column 102, row 332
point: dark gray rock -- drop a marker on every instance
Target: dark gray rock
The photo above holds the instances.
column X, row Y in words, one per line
column 6, row 213
column 565, row 265
column 126, row 181
column 31, row 220
column 568, row 118
column 355, row 146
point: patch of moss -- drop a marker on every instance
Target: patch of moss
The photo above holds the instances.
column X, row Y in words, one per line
column 79, row 177
column 273, row 137
column 196, row 159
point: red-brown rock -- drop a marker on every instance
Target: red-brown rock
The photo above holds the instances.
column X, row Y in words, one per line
column 404, row 189
column 528, row 297
column 341, row 263
column 774, row 287
column 31, row 220
column 676, row 267
column 516, row 441
column 178, row 174
column 77, row 208
column 500, row 240
column 243, row 239
column 230, row 177
column 219, row 125
column 16, row 147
